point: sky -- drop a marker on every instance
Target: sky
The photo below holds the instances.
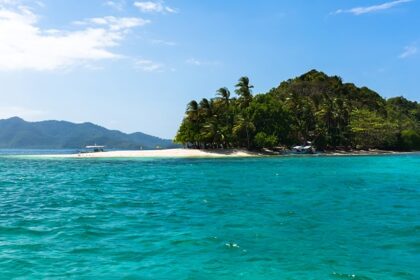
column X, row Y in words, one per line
column 133, row 65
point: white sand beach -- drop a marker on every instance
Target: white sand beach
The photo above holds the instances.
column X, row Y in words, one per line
column 195, row 153
column 164, row 153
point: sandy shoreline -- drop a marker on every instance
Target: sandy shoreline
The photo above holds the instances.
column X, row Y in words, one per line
column 165, row 153
column 194, row 153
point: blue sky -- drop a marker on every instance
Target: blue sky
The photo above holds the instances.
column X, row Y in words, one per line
column 133, row 65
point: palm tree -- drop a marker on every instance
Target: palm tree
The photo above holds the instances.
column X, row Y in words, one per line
column 192, row 110
column 225, row 112
column 191, row 125
column 205, row 107
column 224, row 95
column 243, row 90
column 244, row 124
column 343, row 120
column 212, row 133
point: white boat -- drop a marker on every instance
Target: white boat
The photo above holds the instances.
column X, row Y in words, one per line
column 303, row 149
column 95, row 148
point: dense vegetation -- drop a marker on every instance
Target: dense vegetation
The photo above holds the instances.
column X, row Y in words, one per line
column 313, row 107
column 17, row 133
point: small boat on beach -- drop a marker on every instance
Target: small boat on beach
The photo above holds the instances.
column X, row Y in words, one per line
column 94, row 149
column 303, row 149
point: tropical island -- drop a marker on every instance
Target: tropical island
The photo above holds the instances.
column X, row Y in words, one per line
column 313, row 107
column 333, row 117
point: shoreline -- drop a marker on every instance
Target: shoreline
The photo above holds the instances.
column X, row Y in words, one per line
column 164, row 153
column 373, row 152
column 196, row 153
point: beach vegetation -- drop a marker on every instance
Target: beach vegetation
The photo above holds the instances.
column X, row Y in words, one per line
column 312, row 108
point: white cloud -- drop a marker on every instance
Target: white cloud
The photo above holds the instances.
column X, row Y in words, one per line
column 162, row 42
column 153, row 7
column 9, row 2
column 24, row 45
column 149, row 66
column 22, row 112
column 114, row 23
column 117, row 5
column 371, row 9
column 193, row 61
column 196, row 62
column 408, row 51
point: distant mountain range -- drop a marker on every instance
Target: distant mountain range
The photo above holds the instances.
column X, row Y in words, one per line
column 16, row 133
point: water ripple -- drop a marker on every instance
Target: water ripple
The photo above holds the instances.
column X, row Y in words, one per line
column 276, row 218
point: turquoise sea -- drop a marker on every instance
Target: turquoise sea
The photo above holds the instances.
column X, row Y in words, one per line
column 260, row 218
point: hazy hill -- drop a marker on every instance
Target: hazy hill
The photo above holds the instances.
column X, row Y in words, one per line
column 18, row 133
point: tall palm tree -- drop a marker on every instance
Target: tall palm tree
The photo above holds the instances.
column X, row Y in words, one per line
column 243, row 90
column 192, row 110
column 224, row 95
column 191, row 131
column 213, row 133
column 226, row 114
column 244, row 124
column 204, row 104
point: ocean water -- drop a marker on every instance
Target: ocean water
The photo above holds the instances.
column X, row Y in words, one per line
column 258, row 218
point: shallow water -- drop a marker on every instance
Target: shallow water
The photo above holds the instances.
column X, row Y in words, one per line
column 270, row 218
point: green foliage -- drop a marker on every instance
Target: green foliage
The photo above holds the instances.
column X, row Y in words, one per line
column 370, row 129
column 312, row 107
column 262, row 140
column 243, row 90
column 410, row 139
column 243, row 130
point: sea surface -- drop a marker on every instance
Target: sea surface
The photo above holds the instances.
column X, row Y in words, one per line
column 252, row 218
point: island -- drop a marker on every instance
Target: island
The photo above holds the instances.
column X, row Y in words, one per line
column 313, row 108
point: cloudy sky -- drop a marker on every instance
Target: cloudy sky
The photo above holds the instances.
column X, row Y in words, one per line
column 133, row 65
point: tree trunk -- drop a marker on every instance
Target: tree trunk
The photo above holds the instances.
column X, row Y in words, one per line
column 247, row 137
